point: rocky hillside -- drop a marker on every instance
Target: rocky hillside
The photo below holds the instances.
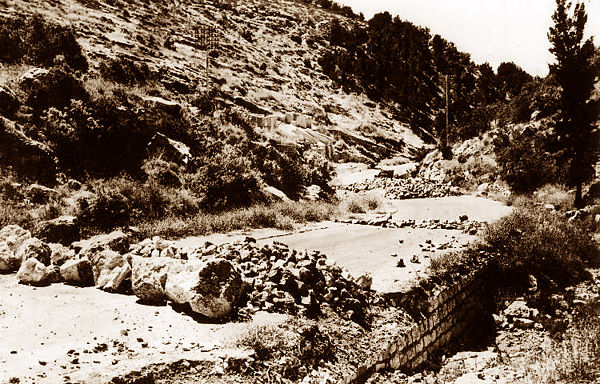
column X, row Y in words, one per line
column 264, row 63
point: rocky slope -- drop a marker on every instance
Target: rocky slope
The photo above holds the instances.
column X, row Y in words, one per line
column 265, row 62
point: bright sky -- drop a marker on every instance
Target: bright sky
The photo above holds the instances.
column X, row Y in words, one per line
column 491, row 31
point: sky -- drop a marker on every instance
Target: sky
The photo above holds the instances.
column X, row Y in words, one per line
column 492, row 31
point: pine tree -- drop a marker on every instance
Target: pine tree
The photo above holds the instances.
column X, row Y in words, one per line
column 575, row 73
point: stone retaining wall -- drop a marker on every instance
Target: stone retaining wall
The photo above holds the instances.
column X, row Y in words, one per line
column 446, row 319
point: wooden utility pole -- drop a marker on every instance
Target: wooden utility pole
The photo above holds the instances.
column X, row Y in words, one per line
column 447, row 150
column 208, row 40
column 446, row 77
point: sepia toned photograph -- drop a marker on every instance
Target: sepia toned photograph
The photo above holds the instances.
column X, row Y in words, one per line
column 299, row 191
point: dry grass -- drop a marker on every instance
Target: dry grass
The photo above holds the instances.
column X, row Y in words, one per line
column 573, row 359
column 362, row 203
column 281, row 215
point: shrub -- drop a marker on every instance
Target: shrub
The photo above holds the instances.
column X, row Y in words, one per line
column 35, row 41
column 523, row 161
column 361, row 203
column 226, row 180
column 163, row 172
column 107, row 211
column 56, row 89
column 125, row 71
column 533, row 241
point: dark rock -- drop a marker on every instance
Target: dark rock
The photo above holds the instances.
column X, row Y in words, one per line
column 78, row 272
column 8, row 102
column 117, row 241
column 63, row 230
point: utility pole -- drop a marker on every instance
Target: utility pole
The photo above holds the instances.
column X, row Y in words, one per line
column 446, row 77
column 447, row 153
column 208, row 40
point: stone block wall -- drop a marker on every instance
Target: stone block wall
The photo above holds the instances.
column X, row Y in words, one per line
column 444, row 319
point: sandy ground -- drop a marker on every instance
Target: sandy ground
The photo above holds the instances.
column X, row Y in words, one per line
column 65, row 334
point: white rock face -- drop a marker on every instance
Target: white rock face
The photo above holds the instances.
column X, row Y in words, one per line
column 149, row 276
column 211, row 287
column 14, row 236
column 33, row 272
column 110, row 269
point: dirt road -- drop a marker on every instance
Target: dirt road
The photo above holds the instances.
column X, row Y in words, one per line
column 61, row 334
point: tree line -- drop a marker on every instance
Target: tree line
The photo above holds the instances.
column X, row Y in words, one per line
column 395, row 61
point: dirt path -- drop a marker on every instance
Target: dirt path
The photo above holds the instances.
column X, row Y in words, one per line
column 65, row 334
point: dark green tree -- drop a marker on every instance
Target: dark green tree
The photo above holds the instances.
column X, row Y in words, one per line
column 575, row 73
column 512, row 79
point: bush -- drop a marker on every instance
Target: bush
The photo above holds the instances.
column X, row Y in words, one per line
column 125, row 71
column 107, row 211
column 523, row 161
column 533, row 241
column 163, row 172
column 226, row 180
column 35, row 41
column 56, row 89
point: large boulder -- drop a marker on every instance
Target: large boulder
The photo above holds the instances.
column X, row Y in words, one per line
column 8, row 102
column 33, row 77
column 77, row 272
column 26, row 156
column 14, row 236
column 34, row 248
column 110, row 269
column 149, row 276
column 60, row 254
column 63, row 230
column 169, row 149
column 117, row 241
column 8, row 260
column 33, row 272
column 211, row 287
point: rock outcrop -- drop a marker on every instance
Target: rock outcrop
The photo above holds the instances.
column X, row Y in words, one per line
column 169, row 149
column 8, row 102
column 28, row 157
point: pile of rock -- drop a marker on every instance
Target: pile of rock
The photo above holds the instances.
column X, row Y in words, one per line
column 211, row 280
column 407, row 188
column 518, row 315
column 276, row 278
column 463, row 224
